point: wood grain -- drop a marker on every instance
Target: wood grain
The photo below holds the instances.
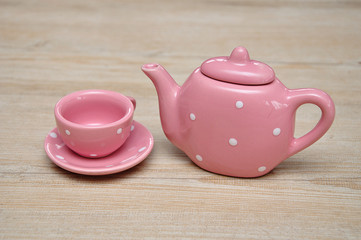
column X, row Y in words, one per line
column 51, row 48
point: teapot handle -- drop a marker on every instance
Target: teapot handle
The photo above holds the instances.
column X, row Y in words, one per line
column 298, row 97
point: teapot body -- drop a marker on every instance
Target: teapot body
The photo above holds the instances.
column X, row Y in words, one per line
column 234, row 117
column 235, row 130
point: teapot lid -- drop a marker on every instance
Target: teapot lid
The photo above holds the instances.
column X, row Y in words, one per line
column 238, row 69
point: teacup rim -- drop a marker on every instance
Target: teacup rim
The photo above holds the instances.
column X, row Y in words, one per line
column 59, row 116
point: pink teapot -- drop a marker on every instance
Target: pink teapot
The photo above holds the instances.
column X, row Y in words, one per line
column 234, row 117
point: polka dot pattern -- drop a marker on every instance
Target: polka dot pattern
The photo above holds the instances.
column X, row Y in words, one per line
column 192, row 116
column 120, row 130
column 276, row 131
column 67, row 132
column 239, row 104
column 233, row 142
column 262, row 169
column 53, row 135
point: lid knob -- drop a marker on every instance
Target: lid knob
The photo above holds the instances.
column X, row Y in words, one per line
column 239, row 55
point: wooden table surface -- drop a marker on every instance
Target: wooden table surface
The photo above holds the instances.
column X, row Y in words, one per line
column 51, row 48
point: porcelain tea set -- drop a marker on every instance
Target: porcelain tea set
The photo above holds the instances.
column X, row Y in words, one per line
column 232, row 116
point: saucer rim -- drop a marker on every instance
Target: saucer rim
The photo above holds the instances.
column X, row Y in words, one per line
column 102, row 170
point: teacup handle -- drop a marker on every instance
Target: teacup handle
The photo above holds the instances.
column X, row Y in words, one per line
column 298, row 97
column 133, row 101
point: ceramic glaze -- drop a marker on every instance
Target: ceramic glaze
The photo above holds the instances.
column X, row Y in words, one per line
column 94, row 123
column 137, row 147
column 241, row 125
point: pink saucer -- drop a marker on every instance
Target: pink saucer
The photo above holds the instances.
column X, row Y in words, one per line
column 137, row 147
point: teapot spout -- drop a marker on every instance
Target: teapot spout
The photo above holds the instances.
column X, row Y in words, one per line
column 167, row 90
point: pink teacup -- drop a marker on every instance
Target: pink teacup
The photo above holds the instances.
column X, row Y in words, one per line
column 94, row 123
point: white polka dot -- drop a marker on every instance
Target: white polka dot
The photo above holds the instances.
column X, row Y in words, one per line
column 93, row 155
column 132, row 128
column 60, row 157
column 233, row 141
column 192, row 116
column 53, row 135
column 142, row 149
column 119, row 131
column 276, row 131
column 261, row 169
column 239, row 104
column 67, row 132
column 199, row 158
